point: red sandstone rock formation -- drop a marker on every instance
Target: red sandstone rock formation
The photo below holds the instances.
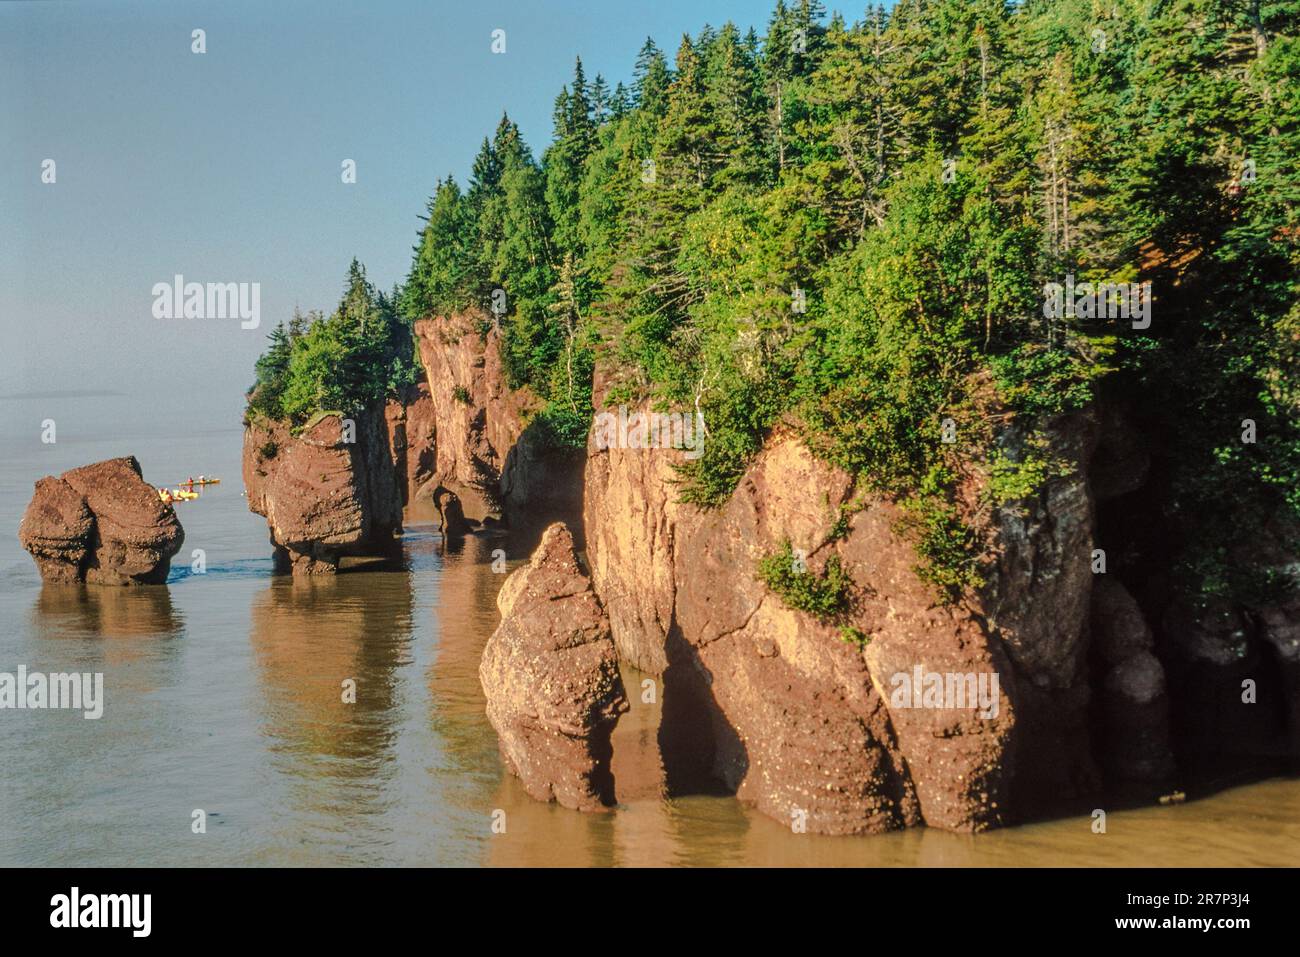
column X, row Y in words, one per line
column 451, row 514
column 101, row 523
column 411, row 439
column 774, row 704
column 329, row 492
column 801, row 721
column 550, row 674
column 488, row 453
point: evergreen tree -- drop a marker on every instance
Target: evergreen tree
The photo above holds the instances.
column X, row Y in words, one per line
column 272, row 369
column 565, row 160
column 601, row 100
column 439, row 279
column 848, row 228
column 620, row 103
column 735, row 108
column 790, row 51
column 650, row 79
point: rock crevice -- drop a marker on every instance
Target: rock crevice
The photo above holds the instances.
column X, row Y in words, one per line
column 491, row 452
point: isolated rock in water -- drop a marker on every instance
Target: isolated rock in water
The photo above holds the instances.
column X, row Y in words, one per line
column 329, row 492
column 451, row 514
column 551, row 679
column 101, row 523
column 56, row 530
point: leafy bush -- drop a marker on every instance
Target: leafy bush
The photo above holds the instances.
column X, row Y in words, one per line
column 823, row 596
column 854, row 636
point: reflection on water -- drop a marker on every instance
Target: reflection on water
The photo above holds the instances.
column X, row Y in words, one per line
column 90, row 611
column 464, row 616
column 129, row 632
column 334, row 743
column 309, row 638
column 225, row 692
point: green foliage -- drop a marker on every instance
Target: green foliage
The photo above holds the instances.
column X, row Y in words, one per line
column 845, row 229
column 1038, row 380
column 360, row 354
column 1013, row 479
column 854, row 636
column 843, row 522
column 440, row 279
column 272, row 369
column 946, row 545
column 563, row 427
column 823, row 596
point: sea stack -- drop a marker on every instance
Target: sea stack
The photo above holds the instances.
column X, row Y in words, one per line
column 328, row 492
column 550, row 674
column 102, row 524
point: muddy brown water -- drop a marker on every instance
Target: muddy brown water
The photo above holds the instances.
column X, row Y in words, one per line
column 224, row 694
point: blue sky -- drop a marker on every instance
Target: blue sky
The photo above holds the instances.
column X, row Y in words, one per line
column 225, row 166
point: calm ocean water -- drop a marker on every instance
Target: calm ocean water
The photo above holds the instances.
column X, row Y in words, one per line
column 224, row 694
